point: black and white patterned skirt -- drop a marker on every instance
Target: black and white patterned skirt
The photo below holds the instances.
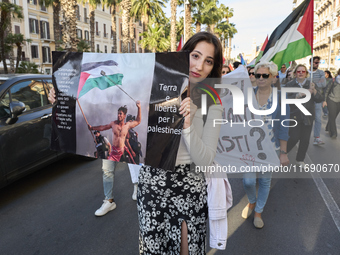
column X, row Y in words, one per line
column 164, row 200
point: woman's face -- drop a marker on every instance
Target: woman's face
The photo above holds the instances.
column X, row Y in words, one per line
column 263, row 82
column 326, row 75
column 251, row 73
column 301, row 72
column 201, row 61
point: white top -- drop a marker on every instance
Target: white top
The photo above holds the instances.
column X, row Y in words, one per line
column 198, row 144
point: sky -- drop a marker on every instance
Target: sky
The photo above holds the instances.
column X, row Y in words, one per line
column 253, row 20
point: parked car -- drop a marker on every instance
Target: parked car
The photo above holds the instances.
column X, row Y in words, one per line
column 25, row 125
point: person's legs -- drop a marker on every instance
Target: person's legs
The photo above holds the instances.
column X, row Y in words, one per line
column 317, row 125
column 294, row 135
column 249, row 184
column 108, row 168
column 305, row 133
column 184, row 239
column 333, row 113
column 263, row 193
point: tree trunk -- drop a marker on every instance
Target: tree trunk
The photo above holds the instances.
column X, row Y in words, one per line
column 92, row 20
column 19, row 51
column 11, row 51
column 126, row 6
column 56, row 24
column 173, row 25
column 229, row 53
column 69, row 24
column 198, row 27
column 187, row 21
column 132, row 36
column 114, row 28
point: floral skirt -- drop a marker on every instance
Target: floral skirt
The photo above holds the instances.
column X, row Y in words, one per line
column 164, row 200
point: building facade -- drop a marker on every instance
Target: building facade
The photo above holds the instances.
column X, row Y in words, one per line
column 37, row 25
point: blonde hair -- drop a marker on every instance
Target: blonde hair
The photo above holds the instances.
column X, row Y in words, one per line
column 272, row 67
column 300, row 65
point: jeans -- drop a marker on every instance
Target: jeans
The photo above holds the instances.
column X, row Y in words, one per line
column 334, row 110
column 317, row 125
column 249, row 184
column 108, row 167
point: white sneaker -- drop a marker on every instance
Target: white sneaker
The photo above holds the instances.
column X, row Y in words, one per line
column 318, row 141
column 134, row 194
column 301, row 164
column 105, row 208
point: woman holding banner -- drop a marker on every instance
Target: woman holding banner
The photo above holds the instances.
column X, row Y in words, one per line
column 265, row 72
column 172, row 204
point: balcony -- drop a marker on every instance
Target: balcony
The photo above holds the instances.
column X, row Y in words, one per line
column 98, row 33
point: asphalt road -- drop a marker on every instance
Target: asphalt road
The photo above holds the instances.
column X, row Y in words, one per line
column 52, row 212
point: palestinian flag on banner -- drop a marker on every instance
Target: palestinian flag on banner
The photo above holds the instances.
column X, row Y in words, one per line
column 293, row 38
column 98, row 76
column 261, row 51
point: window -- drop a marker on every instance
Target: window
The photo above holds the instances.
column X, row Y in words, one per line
column 104, row 28
column 86, row 35
column 97, row 30
column 46, row 52
column 98, row 50
column 79, row 33
column 44, row 29
column 43, row 7
column 32, row 2
column 111, row 33
column 17, row 29
column 34, row 50
column 34, row 26
column 77, row 12
column 105, row 47
column 121, row 28
column 112, row 49
column 85, row 16
column 31, row 93
column 48, row 71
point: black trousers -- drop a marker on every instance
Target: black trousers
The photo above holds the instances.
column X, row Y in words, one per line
column 333, row 111
column 300, row 133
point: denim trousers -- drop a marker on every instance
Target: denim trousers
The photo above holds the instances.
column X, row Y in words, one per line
column 334, row 110
column 317, row 125
column 249, row 184
column 108, row 167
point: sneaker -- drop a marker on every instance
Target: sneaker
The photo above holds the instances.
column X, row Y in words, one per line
column 318, row 141
column 105, row 208
column 134, row 194
column 301, row 164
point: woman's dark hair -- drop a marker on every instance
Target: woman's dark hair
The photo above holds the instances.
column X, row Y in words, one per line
column 216, row 71
column 329, row 74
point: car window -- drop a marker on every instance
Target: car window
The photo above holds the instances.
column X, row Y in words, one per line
column 30, row 92
column 4, row 106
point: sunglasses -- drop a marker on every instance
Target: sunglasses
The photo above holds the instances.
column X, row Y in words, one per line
column 252, row 73
column 300, row 71
column 264, row 75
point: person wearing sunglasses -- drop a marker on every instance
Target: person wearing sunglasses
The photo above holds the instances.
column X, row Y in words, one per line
column 264, row 74
column 302, row 131
column 225, row 69
column 320, row 80
column 251, row 73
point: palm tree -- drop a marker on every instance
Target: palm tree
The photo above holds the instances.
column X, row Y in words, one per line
column 69, row 23
column 113, row 5
column 227, row 13
column 173, row 5
column 6, row 11
column 188, row 5
column 92, row 7
column 211, row 15
column 197, row 14
column 18, row 40
column 126, row 7
column 153, row 38
column 56, row 20
column 83, row 46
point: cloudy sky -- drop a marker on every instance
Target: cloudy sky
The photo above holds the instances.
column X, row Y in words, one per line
column 253, row 19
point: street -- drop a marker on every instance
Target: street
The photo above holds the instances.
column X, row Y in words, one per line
column 52, row 212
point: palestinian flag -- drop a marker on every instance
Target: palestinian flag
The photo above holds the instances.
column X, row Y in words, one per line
column 293, row 38
column 98, row 76
column 261, row 51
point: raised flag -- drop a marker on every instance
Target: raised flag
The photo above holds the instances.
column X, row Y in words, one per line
column 293, row 38
column 180, row 44
column 243, row 62
column 261, row 51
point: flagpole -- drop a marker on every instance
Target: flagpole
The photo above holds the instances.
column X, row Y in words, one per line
column 311, row 69
column 86, row 120
column 103, row 73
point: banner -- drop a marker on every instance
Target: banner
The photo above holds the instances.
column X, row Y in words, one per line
column 131, row 99
column 244, row 142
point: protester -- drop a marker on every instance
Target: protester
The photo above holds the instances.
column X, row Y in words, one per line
column 264, row 74
column 302, row 131
column 225, row 69
column 320, row 81
column 103, row 145
column 288, row 78
column 251, row 73
column 282, row 72
column 172, row 204
column 332, row 102
column 236, row 64
column 329, row 80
